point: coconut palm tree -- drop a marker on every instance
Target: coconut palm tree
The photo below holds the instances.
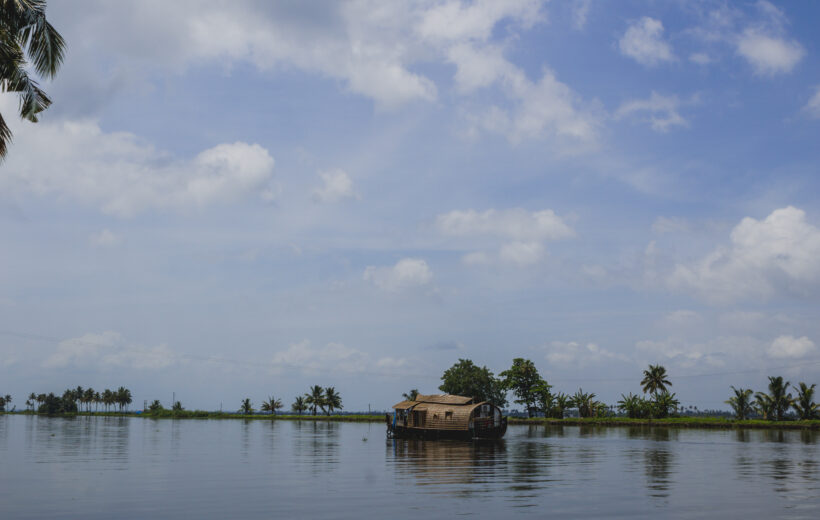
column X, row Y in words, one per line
column 781, row 399
column 97, row 401
column 271, row 405
column 26, row 37
column 584, row 402
column 88, row 398
column 315, row 399
column 665, row 404
column 764, row 406
column 333, row 401
column 33, row 398
column 123, row 397
column 804, row 403
column 177, row 407
column 741, row 402
column 299, row 405
column 247, row 407
column 654, row 380
column 411, row 395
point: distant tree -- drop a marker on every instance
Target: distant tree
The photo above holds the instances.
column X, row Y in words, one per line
column 779, row 397
column 635, row 406
column 27, row 42
column 246, row 408
column 562, row 402
column 271, row 405
column 177, row 407
column 665, row 404
column 4, row 401
column 804, row 403
column 155, row 406
column 107, row 399
column 584, row 402
column 33, row 398
column 123, row 398
column 315, row 399
column 741, row 402
column 655, row 380
column 333, row 401
column 411, row 395
column 466, row 379
column 522, row 378
column 764, row 406
column 299, row 405
column 88, row 398
column 97, row 401
column 544, row 399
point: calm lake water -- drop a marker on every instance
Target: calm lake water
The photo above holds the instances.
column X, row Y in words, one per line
column 108, row 467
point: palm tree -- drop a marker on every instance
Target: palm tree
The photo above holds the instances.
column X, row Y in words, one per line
column 271, row 405
column 584, row 402
column 88, row 398
column 78, row 395
column 562, row 402
column 97, row 401
column 315, row 399
column 741, row 402
column 764, row 406
column 177, row 407
column 804, row 403
column 333, row 401
column 155, row 406
column 25, row 33
column 247, row 407
column 780, row 397
column 107, row 398
column 411, row 395
column 33, row 398
column 123, row 397
column 299, row 405
column 654, row 380
column 665, row 403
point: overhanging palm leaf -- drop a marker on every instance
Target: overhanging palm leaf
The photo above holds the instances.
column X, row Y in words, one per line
column 25, row 32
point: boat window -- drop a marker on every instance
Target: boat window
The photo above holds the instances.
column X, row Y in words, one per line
column 448, row 414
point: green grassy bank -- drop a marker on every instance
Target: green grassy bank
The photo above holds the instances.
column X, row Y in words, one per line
column 674, row 422
column 201, row 414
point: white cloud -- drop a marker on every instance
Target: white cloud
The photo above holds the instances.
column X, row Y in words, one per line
column 572, row 353
column 333, row 358
column 714, row 353
column 337, row 186
column 765, row 257
column 521, row 232
column 643, row 42
column 769, row 54
column 580, row 12
column 522, row 253
column 105, row 238
column 662, row 111
column 407, row 273
column 460, row 21
column 124, row 176
column 107, row 351
column 813, row 106
column 791, row 347
column 516, row 224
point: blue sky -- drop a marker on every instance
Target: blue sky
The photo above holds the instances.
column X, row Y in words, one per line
column 231, row 200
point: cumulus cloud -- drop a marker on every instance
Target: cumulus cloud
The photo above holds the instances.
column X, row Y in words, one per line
column 521, row 232
column 517, row 224
column 573, row 353
column 106, row 351
column 333, row 358
column 661, row 111
column 336, row 186
column 124, row 176
column 791, row 347
column 764, row 257
column 407, row 273
column 767, row 54
column 643, row 42
column 580, row 12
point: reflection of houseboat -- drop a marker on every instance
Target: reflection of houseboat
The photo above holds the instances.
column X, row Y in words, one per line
column 446, row 417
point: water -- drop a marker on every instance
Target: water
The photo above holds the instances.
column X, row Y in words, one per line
column 112, row 467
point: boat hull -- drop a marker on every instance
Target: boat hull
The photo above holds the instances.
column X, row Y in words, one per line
column 402, row 432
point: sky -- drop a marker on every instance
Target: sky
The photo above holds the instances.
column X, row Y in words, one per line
column 243, row 199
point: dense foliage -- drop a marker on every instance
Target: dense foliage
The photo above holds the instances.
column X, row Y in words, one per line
column 465, row 378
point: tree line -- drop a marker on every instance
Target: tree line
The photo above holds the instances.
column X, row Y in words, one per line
column 537, row 397
column 75, row 400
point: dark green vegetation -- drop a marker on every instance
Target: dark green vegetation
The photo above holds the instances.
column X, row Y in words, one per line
column 657, row 403
column 27, row 40
column 74, row 400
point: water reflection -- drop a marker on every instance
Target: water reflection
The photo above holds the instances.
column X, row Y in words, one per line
column 317, row 442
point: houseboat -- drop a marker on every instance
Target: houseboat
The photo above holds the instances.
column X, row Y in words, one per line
column 446, row 417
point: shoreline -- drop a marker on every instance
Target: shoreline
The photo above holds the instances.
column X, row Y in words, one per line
column 673, row 422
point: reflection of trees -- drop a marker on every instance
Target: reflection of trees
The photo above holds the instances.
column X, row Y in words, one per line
column 449, row 463
column 657, row 457
column 318, row 443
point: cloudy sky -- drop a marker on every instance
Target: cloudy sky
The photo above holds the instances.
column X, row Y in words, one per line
column 244, row 199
